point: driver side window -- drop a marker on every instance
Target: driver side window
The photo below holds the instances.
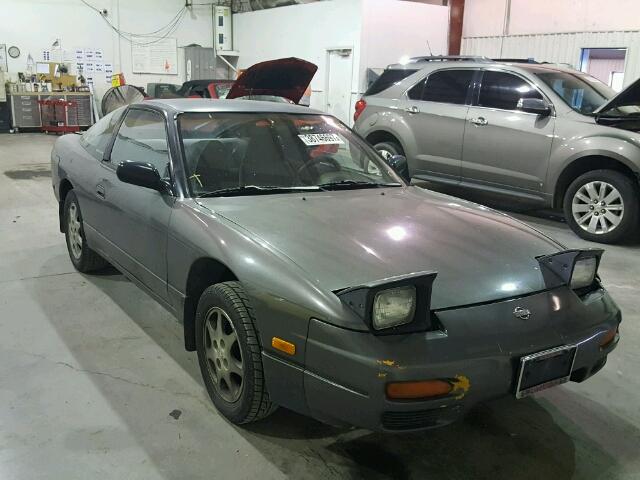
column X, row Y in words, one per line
column 142, row 138
column 504, row 90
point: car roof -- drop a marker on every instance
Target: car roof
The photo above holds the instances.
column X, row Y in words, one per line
column 180, row 105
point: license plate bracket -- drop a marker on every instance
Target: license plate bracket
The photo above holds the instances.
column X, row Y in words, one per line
column 545, row 369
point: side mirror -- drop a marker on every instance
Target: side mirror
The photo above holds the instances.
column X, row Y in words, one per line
column 400, row 166
column 534, row 105
column 141, row 174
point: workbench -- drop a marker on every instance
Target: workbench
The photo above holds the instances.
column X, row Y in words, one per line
column 25, row 111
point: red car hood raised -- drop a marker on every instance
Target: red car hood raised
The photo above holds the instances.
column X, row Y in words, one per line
column 285, row 77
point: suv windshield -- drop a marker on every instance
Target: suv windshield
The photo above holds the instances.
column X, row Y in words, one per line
column 255, row 153
column 583, row 93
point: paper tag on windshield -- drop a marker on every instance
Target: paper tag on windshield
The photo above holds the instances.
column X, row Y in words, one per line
column 314, row 139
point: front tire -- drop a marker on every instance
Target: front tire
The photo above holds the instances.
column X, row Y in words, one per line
column 229, row 354
column 602, row 206
column 83, row 258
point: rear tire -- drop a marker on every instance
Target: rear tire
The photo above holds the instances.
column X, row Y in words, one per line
column 602, row 206
column 388, row 149
column 230, row 355
column 83, row 258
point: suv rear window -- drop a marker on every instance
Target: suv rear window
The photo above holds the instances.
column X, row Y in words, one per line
column 388, row 78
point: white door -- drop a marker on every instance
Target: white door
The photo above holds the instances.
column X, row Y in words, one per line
column 339, row 68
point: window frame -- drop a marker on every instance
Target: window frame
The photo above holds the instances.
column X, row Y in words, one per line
column 533, row 85
column 107, row 162
column 470, row 89
column 107, row 148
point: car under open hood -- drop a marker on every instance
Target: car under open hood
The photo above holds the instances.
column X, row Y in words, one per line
column 285, row 77
column 629, row 97
column 347, row 238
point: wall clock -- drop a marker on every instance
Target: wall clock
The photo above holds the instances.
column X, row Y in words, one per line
column 14, row 52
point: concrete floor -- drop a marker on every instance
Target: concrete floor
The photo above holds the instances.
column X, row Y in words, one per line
column 94, row 382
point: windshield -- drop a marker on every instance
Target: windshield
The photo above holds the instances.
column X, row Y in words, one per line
column 583, row 93
column 278, row 152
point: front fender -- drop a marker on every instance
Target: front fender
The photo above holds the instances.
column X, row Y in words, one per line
column 618, row 145
column 281, row 293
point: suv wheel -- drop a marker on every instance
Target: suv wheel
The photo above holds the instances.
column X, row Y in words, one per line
column 602, row 206
column 388, row 149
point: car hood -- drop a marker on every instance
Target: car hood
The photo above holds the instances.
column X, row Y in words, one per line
column 285, row 77
column 630, row 96
column 347, row 238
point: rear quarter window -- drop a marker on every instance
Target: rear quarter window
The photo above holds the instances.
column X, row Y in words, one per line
column 388, row 78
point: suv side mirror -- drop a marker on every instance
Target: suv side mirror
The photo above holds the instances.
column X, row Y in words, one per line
column 399, row 165
column 141, row 174
column 534, row 105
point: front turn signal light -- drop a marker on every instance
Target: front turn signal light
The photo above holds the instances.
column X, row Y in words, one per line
column 284, row 346
column 608, row 337
column 418, row 390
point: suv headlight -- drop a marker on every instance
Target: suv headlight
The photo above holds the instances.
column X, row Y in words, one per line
column 584, row 272
column 394, row 306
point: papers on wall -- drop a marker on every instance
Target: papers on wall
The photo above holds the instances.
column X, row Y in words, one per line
column 156, row 55
column 92, row 65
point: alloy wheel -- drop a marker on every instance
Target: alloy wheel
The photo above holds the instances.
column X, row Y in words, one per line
column 75, row 231
column 224, row 356
column 386, row 154
column 597, row 207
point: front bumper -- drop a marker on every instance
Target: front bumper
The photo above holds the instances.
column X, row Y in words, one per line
column 346, row 371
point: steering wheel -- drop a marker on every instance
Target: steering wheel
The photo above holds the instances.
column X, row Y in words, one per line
column 326, row 159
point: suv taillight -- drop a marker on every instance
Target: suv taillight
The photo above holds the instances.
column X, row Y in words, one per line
column 360, row 106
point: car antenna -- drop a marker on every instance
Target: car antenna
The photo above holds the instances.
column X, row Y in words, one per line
column 429, row 47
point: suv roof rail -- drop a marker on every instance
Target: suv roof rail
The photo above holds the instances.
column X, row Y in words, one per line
column 516, row 60
column 449, row 58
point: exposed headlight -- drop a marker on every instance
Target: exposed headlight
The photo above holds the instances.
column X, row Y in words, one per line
column 584, row 272
column 394, row 306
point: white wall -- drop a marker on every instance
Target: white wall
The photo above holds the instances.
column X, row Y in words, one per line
column 33, row 25
column 393, row 29
column 303, row 31
column 379, row 31
column 483, row 18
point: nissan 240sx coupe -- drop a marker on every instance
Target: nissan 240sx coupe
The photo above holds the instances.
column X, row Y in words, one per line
column 307, row 273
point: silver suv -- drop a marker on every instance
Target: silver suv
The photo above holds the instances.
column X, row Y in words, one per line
column 550, row 136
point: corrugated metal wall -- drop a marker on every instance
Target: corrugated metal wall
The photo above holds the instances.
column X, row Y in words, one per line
column 558, row 47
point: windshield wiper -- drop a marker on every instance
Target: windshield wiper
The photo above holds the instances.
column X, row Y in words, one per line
column 256, row 190
column 354, row 184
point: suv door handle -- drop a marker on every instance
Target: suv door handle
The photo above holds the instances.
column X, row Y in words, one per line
column 100, row 191
column 412, row 109
column 479, row 121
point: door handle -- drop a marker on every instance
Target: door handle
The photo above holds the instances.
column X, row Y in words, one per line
column 412, row 109
column 100, row 191
column 480, row 121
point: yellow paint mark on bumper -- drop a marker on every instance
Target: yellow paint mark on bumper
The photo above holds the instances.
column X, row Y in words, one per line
column 461, row 385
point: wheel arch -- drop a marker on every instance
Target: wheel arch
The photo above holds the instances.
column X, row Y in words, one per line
column 204, row 271
column 583, row 165
column 65, row 188
column 378, row 136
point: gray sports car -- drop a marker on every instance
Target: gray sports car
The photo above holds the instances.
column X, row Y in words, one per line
column 307, row 273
